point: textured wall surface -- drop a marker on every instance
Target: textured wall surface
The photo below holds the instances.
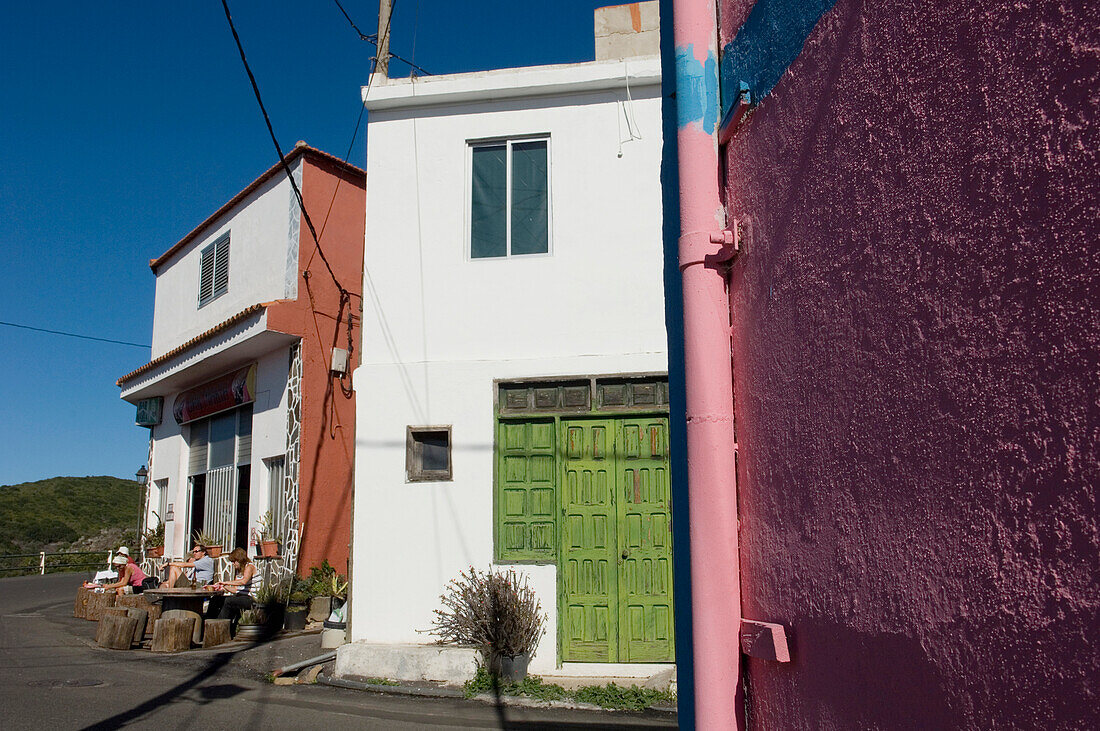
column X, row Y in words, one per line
column 915, row 356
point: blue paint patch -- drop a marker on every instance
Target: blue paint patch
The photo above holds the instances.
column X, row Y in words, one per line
column 696, row 90
column 766, row 45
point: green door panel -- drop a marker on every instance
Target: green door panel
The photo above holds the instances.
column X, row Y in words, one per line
column 645, row 542
column 526, row 491
column 590, row 613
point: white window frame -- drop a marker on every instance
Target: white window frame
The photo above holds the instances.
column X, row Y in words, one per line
column 469, row 203
column 216, row 247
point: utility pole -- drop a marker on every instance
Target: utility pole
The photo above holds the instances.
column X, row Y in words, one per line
column 382, row 62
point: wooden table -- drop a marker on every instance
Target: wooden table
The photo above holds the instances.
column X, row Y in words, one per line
column 190, row 599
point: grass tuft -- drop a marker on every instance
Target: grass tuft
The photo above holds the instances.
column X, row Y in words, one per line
column 605, row 696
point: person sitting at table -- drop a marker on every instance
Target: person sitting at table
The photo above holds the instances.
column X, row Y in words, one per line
column 130, row 577
column 201, row 565
column 238, row 590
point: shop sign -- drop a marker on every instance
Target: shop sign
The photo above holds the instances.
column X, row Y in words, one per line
column 149, row 410
column 231, row 390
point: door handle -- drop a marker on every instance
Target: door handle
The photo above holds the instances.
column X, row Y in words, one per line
column 626, row 553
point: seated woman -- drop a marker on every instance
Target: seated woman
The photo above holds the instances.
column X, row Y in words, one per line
column 201, row 565
column 130, row 577
column 238, row 590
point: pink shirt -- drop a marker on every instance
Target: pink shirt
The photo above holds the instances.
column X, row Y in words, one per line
column 138, row 576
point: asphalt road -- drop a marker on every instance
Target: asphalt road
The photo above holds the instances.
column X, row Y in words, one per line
column 52, row 676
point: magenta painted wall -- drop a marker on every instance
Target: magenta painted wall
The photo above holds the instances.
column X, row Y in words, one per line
column 915, row 354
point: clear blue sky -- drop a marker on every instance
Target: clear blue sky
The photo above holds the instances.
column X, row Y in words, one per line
column 125, row 124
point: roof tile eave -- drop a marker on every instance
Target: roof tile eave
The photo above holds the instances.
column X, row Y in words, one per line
column 300, row 150
column 219, row 328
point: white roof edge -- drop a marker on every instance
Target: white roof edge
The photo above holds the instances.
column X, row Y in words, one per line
column 513, row 82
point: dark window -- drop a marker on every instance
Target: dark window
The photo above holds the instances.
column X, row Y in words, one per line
column 509, row 199
column 428, row 453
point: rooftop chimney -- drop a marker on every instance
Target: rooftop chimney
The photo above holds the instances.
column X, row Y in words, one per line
column 627, row 31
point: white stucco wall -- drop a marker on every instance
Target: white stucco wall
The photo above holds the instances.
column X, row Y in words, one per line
column 261, row 233
column 439, row 327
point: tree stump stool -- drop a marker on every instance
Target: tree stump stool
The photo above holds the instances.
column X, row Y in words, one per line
column 196, row 632
column 139, row 601
column 142, row 618
column 81, row 604
column 97, row 603
column 172, row 635
column 216, row 632
column 108, row 612
column 116, row 632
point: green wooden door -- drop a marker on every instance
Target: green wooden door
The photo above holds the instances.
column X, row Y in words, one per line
column 590, row 613
column 645, row 541
column 616, row 555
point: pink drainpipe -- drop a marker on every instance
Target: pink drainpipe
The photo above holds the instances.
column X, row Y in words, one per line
column 712, row 488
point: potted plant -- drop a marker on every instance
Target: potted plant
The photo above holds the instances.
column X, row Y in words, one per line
column 207, row 541
column 154, row 541
column 297, row 610
column 270, row 601
column 496, row 612
column 328, row 589
column 250, row 625
column 269, row 544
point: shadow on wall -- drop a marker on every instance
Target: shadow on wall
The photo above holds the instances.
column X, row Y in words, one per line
column 856, row 690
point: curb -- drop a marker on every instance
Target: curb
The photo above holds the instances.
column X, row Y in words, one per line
column 513, row 701
column 389, row 689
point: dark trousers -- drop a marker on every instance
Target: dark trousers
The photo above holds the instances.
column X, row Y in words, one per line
column 228, row 607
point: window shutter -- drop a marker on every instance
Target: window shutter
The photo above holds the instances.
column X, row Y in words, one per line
column 206, row 274
column 526, row 496
column 221, row 267
column 196, row 465
column 244, row 435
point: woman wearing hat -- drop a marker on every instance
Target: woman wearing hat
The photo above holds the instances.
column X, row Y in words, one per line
column 130, row 576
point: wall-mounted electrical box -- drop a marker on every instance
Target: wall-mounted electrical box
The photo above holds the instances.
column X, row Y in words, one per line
column 339, row 361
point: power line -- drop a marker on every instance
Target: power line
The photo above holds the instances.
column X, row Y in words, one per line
column 278, row 149
column 373, row 39
column 72, row 335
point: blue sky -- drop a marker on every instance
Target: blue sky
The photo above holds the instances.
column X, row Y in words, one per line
column 125, row 124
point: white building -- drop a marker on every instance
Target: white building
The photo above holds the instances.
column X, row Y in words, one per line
column 512, row 397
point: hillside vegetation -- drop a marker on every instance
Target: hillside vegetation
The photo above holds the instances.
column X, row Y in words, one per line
column 64, row 512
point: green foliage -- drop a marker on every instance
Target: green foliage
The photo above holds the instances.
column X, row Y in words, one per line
column 155, row 535
column 628, row 699
column 64, row 509
column 324, row 581
column 380, row 681
column 250, row 616
column 606, row 696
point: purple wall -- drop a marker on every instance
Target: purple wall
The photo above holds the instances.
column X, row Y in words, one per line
column 916, row 367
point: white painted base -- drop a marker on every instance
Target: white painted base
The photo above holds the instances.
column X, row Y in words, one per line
column 610, row 670
column 452, row 665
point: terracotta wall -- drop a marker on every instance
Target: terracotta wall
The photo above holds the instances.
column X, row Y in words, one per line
column 328, row 415
column 915, row 355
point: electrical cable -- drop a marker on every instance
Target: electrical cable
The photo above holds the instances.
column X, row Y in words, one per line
column 278, row 149
column 71, row 335
column 373, row 39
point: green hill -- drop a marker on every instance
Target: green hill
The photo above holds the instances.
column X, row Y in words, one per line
column 62, row 511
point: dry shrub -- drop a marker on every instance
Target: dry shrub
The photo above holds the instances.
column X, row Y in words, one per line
column 496, row 612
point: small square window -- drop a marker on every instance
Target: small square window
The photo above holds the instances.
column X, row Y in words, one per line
column 428, row 454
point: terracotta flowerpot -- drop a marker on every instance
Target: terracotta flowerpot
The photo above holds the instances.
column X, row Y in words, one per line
column 269, row 549
column 213, row 551
column 154, row 551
